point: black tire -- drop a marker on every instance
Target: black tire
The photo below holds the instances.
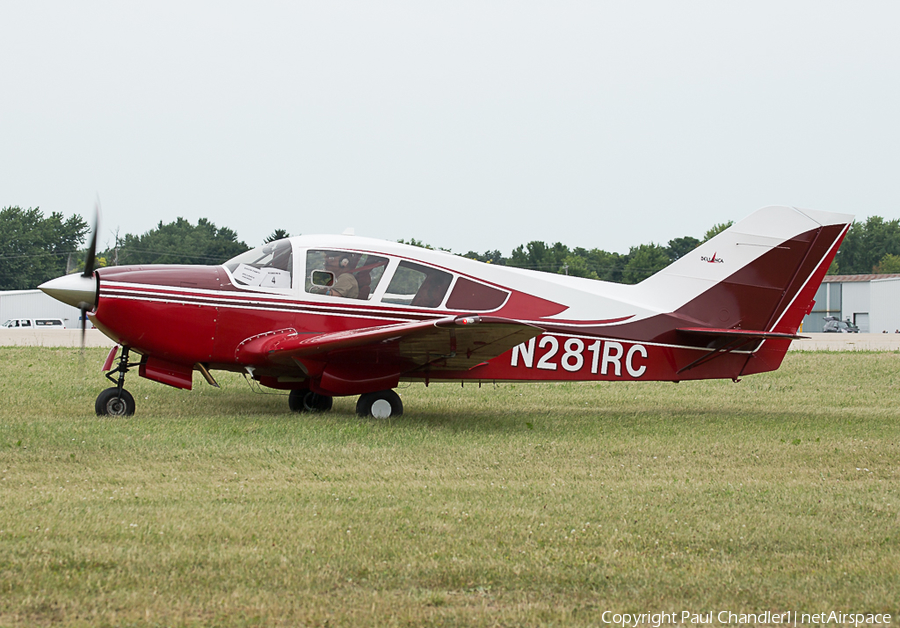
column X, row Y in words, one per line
column 304, row 400
column 384, row 404
column 113, row 403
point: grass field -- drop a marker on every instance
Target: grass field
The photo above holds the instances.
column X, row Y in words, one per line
column 508, row 505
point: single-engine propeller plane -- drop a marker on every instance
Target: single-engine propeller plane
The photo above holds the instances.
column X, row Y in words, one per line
column 326, row 316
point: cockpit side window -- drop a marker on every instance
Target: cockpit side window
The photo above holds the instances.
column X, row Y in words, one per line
column 269, row 266
column 417, row 285
column 347, row 274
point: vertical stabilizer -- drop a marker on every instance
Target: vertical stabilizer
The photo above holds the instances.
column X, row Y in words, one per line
column 760, row 274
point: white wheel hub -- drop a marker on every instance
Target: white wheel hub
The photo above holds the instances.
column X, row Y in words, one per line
column 381, row 409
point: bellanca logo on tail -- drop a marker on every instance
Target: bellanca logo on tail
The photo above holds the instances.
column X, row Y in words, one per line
column 712, row 260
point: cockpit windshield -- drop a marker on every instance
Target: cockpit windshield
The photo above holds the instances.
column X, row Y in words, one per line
column 268, row 266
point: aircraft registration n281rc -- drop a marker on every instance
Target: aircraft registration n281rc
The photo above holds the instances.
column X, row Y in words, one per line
column 326, row 316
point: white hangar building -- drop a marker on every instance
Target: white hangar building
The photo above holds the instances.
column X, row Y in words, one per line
column 36, row 304
column 871, row 302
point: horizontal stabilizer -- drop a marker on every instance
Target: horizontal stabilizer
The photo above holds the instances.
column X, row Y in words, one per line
column 736, row 334
column 725, row 341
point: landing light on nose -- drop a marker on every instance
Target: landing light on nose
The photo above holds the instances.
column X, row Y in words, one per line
column 76, row 290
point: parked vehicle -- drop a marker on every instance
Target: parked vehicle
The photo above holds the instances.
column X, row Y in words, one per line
column 834, row 325
column 34, row 323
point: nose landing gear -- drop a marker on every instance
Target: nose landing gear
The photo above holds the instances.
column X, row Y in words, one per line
column 116, row 401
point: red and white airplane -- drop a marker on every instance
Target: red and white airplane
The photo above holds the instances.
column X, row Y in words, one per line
column 326, row 316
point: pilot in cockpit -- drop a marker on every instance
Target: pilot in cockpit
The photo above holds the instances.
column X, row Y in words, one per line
column 345, row 283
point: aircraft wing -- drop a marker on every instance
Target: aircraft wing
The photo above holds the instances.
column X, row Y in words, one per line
column 451, row 343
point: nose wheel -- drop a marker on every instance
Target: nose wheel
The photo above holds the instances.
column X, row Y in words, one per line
column 383, row 404
column 116, row 401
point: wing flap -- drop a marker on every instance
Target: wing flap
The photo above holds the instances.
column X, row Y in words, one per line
column 465, row 342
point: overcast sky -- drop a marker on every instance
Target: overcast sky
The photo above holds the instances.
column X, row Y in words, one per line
column 468, row 125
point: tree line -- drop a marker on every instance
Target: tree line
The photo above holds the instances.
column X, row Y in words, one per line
column 35, row 248
column 633, row 267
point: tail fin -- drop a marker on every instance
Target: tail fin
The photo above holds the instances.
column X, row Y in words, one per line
column 748, row 288
column 759, row 275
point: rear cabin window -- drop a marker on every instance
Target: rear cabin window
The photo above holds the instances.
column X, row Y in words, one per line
column 348, row 274
column 417, row 285
column 472, row 296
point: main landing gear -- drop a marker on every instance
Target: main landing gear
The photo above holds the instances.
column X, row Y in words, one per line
column 116, row 401
column 304, row 400
column 376, row 405
column 383, row 404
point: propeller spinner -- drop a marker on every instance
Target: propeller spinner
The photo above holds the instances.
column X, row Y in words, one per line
column 79, row 290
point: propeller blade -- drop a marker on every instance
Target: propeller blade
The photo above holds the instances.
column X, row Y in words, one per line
column 89, row 260
column 91, row 256
column 84, row 312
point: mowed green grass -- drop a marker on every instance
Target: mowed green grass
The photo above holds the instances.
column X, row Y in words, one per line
column 504, row 505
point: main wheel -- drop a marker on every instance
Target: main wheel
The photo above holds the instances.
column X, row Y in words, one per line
column 113, row 402
column 304, row 400
column 383, row 404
